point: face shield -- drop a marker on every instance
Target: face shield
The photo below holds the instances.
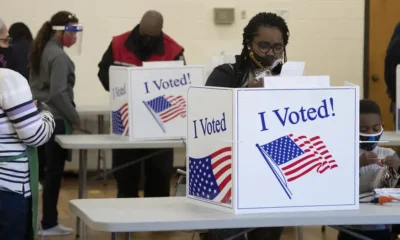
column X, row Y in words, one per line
column 72, row 37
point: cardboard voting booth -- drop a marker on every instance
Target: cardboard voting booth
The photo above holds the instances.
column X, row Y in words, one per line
column 274, row 150
column 150, row 102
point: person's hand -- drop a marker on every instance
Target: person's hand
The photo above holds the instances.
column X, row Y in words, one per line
column 35, row 102
column 393, row 161
column 368, row 158
column 254, row 83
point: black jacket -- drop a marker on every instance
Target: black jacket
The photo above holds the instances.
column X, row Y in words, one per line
column 108, row 59
column 391, row 61
column 21, row 54
column 233, row 75
column 7, row 58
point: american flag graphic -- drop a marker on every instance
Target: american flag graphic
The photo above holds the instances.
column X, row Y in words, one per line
column 210, row 177
column 291, row 158
column 120, row 120
column 168, row 107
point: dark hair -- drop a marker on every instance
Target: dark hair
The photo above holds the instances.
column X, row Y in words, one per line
column 61, row 18
column 263, row 20
column 19, row 31
column 368, row 106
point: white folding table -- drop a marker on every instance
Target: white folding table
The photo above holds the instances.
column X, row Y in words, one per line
column 100, row 111
column 176, row 214
column 105, row 141
column 392, row 139
column 85, row 142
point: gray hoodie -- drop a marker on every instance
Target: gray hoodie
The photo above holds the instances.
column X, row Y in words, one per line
column 56, row 81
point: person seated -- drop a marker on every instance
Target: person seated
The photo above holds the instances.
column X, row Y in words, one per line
column 264, row 51
column 372, row 173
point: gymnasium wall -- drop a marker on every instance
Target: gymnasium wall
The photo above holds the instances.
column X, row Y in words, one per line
column 326, row 34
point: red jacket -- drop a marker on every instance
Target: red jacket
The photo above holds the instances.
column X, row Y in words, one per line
column 124, row 56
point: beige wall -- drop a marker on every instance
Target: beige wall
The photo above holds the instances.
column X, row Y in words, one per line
column 326, row 34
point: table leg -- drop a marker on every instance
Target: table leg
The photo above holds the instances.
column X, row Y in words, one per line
column 82, row 192
column 128, row 236
column 100, row 152
column 114, row 236
column 348, row 231
column 299, row 233
column 84, row 189
column 80, row 195
column 84, row 173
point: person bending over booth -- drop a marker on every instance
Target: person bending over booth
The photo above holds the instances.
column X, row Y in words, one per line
column 146, row 42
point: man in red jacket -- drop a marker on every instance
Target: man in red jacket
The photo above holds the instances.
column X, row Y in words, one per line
column 146, row 42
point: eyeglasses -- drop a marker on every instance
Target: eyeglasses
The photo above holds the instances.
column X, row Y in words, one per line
column 8, row 40
column 264, row 47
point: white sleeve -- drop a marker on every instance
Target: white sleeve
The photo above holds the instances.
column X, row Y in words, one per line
column 32, row 127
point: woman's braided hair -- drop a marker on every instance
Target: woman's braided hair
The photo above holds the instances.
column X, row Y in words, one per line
column 263, row 20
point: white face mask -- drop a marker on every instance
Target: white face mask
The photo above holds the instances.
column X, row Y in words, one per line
column 372, row 135
column 260, row 73
column 369, row 141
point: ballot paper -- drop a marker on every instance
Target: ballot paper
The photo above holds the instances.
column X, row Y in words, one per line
column 393, row 192
column 177, row 63
column 349, row 84
column 299, row 82
column 293, row 69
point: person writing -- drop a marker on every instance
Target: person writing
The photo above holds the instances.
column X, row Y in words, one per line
column 372, row 175
column 22, row 128
column 146, row 42
column 52, row 80
column 264, row 51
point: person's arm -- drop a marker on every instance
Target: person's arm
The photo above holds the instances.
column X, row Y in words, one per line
column 34, row 128
column 59, row 96
column 106, row 61
column 221, row 76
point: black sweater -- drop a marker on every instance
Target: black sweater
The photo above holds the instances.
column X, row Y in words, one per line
column 391, row 61
column 233, row 75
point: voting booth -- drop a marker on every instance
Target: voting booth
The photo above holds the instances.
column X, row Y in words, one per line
column 274, row 149
column 150, row 102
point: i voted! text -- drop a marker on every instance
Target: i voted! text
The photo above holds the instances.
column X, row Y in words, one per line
column 163, row 84
column 208, row 126
column 119, row 91
column 292, row 116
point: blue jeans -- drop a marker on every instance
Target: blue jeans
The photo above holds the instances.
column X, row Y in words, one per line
column 15, row 216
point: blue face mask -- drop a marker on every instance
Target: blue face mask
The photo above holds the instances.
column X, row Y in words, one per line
column 370, row 140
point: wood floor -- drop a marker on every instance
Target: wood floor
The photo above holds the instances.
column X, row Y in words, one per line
column 98, row 190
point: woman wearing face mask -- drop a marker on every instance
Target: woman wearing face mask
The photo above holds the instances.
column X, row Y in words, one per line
column 264, row 51
column 52, row 78
column 7, row 55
